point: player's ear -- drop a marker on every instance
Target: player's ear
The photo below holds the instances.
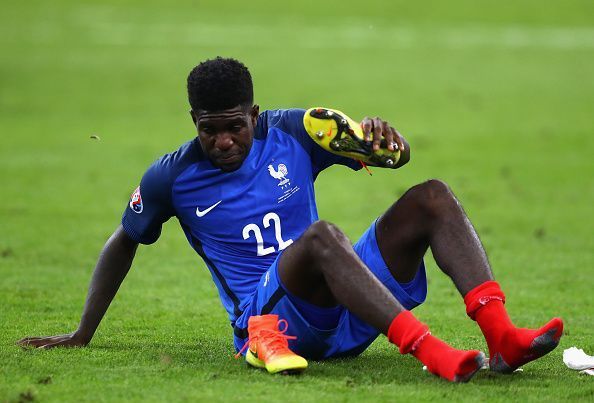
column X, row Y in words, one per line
column 254, row 113
column 193, row 116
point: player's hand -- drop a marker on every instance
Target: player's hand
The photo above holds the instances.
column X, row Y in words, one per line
column 374, row 129
column 64, row 340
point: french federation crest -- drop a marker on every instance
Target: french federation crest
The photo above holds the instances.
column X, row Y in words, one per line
column 136, row 201
column 280, row 173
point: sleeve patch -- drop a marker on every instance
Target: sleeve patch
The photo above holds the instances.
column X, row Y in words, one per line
column 136, row 201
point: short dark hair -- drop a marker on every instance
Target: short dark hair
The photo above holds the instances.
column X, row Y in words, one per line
column 220, row 83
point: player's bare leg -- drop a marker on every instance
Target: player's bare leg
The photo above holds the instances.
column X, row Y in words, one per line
column 322, row 268
column 428, row 215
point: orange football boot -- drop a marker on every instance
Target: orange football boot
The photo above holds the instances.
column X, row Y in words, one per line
column 269, row 348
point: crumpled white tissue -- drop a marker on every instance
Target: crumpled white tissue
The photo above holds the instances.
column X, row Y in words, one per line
column 576, row 359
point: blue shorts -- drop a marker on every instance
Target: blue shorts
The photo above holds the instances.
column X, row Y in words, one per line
column 350, row 336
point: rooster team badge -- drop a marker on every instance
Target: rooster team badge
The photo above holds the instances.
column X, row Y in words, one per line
column 280, row 173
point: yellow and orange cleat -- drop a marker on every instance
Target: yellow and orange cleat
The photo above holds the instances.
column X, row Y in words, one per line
column 268, row 346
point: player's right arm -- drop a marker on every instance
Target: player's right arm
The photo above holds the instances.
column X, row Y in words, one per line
column 112, row 266
column 141, row 223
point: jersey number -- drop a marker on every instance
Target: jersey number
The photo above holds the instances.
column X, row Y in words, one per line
column 262, row 251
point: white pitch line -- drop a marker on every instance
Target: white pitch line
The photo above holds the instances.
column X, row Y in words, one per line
column 340, row 34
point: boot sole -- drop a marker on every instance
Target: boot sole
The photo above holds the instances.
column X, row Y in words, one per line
column 480, row 361
column 541, row 345
column 347, row 139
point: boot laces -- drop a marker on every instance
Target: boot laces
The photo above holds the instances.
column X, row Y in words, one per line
column 276, row 340
column 364, row 165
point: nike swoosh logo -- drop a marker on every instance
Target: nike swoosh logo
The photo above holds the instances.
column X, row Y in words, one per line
column 205, row 212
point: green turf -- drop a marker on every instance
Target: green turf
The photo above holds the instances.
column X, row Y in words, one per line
column 494, row 97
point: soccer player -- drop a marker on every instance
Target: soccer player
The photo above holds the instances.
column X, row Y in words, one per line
column 295, row 287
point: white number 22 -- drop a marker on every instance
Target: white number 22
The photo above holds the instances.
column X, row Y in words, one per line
column 262, row 251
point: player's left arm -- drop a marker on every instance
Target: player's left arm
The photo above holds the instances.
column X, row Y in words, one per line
column 376, row 129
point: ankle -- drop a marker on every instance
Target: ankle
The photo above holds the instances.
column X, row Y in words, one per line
column 482, row 295
column 407, row 332
column 430, row 347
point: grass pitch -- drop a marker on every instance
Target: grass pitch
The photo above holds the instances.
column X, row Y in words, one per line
column 494, row 97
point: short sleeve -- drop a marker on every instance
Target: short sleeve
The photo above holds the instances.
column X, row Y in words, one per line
column 150, row 206
column 292, row 122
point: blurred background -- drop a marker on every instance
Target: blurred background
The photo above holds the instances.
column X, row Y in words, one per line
column 495, row 97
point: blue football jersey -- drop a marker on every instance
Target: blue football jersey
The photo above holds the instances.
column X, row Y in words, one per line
column 239, row 221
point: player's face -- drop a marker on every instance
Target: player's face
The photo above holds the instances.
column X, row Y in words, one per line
column 226, row 136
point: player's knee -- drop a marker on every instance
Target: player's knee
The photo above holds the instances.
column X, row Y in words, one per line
column 436, row 188
column 323, row 235
column 432, row 196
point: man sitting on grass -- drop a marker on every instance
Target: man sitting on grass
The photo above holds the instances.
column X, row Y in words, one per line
column 243, row 193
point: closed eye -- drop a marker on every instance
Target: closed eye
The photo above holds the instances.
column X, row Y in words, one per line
column 207, row 130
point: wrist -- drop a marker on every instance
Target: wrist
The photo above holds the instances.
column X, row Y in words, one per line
column 83, row 336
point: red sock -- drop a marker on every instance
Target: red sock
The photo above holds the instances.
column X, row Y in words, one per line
column 509, row 347
column 413, row 336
